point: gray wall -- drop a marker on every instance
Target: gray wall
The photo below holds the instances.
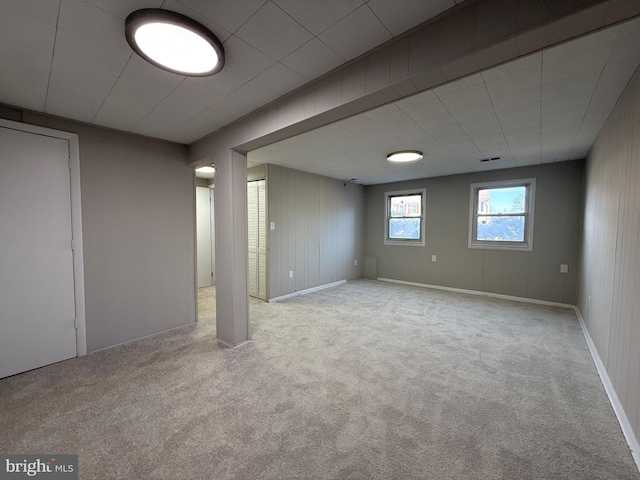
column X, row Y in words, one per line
column 138, row 219
column 533, row 275
column 610, row 275
column 318, row 235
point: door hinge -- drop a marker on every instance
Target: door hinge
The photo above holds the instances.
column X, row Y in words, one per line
column 73, row 245
column 75, row 323
column 69, row 163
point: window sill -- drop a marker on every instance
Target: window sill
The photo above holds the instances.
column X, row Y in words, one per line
column 502, row 246
column 406, row 243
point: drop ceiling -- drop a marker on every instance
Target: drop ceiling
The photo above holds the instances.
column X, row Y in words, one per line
column 543, row 108
column 69, row 58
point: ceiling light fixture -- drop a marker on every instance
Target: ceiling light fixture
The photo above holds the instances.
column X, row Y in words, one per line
column 404, row 156
column 207, row 169
column 174, row 42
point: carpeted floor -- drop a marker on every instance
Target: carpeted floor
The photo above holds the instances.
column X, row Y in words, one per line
column 367, row 380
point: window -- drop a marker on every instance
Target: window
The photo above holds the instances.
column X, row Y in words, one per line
column 501, row 215
column 404, row 217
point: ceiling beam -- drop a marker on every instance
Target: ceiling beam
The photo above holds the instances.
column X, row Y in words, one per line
column 471, row 37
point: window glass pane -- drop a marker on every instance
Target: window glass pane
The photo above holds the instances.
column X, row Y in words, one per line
column 405, row 206
column 501, row 229
column 502, row 200
column 404, row 228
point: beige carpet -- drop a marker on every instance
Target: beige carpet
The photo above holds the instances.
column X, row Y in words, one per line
column 367, row 380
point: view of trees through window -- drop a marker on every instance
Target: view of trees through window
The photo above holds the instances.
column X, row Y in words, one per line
column 405, row 213
column 501, row 214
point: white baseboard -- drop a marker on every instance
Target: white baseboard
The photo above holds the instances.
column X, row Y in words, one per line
column 308, row 290
column 228, row 345
column 477, row 292
column 627, row 430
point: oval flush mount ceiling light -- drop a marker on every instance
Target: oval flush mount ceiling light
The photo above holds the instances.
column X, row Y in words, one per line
column 174, row 42
column 206, row 169
column 404, row 156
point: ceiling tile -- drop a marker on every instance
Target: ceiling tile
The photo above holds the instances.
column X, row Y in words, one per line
column 280, row 79
column 72, row 50
column 414, row 100
column 140, row 88
column 342, row 40
column 581, row 84
column 25, row 83
column 513, row 98
column 412, row 12
column 254, row 95
column 243, row 59
column 318, row 16
column 176, row 6
column 582, row 44
column 25, row 59
column 481, row 125
column 625, row 48
column 213, row 118
column 185, row 102
column 429, row 114
column 16, row 34
column 553, row 123
column 274, row 32
column 564, row 105
column 468, row 102
column 457, row 85
column 616, row 75
column 122, row 8
column 229, row 14
column 88, row 21
column 223, row 82
column 46, row 12
column 313, row 59
column 513, row 82
column 581, row 61
column 77, row 90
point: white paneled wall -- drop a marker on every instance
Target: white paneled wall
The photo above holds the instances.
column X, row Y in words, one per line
column 317, row 235
column 610, row 278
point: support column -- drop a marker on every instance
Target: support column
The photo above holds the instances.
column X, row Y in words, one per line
column 230, row 206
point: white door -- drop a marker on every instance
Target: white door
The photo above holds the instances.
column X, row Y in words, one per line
column 257, row 229
column 203, row 229
column 37, row 298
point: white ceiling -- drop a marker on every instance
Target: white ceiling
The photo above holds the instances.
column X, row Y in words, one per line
column 543, row 108
column 70, row 57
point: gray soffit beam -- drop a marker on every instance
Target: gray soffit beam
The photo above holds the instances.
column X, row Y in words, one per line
column 471, row 37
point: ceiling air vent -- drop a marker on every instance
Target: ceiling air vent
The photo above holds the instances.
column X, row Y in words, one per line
column 489, row 159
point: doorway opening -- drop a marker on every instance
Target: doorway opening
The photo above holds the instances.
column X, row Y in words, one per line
column 205, row 247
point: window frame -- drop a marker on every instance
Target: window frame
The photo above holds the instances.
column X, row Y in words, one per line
column 529, row 214
column 421, row 242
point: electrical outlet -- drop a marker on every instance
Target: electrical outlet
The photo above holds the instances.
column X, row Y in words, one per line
column 273, row 225
column 355, row 262
column 433, row 258
column 290, row 273
column 564, row 268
